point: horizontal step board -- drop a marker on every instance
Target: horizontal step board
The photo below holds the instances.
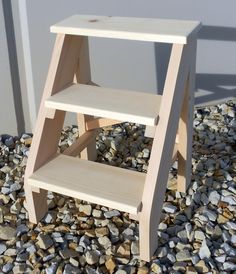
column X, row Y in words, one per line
column 97, row 183
column 142, row 29
column 123, row 105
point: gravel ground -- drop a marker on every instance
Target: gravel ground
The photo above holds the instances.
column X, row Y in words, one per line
column 197, row 233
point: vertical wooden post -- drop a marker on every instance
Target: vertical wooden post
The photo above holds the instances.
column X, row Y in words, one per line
column 162, row 149
column 186, row 126
column 83, row 76
column 48, row 130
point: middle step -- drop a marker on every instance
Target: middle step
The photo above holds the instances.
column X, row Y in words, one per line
column 124, row 105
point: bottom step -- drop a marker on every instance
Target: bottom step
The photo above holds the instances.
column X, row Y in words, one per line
column 97, row 183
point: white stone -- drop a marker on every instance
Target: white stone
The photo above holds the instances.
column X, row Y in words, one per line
column 169, row 208
column 229, row 266
column 3, row 248
column 92, row 257
column 204, row 251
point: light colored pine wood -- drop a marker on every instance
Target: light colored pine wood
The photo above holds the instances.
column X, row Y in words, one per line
column 162, row 150
column 111, row 103
column 186, row 128
column 83, row 76
column 139, row 194
column 47, row 131
column 89, row 152
column 100, row 122
column 150, row 133
column 80, row 144
column 91, row 181
column 142, row 29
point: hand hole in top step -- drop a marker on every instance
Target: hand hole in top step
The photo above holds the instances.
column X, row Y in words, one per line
column 93, row 20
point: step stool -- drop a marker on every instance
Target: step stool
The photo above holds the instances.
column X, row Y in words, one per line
column 69, row 88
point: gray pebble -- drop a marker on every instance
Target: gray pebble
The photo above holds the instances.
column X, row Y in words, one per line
column 169, row 208
column 3, row 248
column 111, row 213
column 7, row 267
column 204, row 251
column 92, row 257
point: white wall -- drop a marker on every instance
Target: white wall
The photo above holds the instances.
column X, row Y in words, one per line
column 133, row 65
column 7, row 111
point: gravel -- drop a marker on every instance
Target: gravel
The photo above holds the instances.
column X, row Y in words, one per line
column 197, row 233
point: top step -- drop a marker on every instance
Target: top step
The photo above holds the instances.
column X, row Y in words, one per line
column 131, row 28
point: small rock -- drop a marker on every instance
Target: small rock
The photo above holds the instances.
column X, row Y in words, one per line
column 7, row 232
column 124, row 250
column 51, row 269
column 199, row 235
column 104, row 241
column 201, row 267
column 19, row 268
column 110, row 265
column 10, row 252
column 97, row 213
column 101, row 231
column 113, row 229
column 228, row 266
column 191, row 270
column 169, row 208
column 161, row 252
column 210, row 214
column 69, row 269
column 156, row 268
column 214, row 197
column 143, row 270
column 146, row 153
column 220, row 259
column 171, row 257
column 7, row 267
column 74, row 262
column 128, row 233
column 92, row 257
column 120, row 271
column 204, row 251
column 50, row 218
column 188, row 228
column 231, row 225
column 44, row 241
column 135, row 247
column 111, row 213
column 68, row 253
column 21, row 229
column 3, row 248
column 221, row 219
column 16, row 186
column 86, row 209
column 183, row 255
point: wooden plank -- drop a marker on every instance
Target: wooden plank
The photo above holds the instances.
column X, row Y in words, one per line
column 83, row 76
column 47, row 131
column 91, row 181
column 100, row 122
column 123, row 105
column 150, row 133
column 162, row 150
column 80, row 144
column 142, row 29
column 186, row 128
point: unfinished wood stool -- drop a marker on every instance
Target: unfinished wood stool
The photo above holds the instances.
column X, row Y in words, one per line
column 69, row 88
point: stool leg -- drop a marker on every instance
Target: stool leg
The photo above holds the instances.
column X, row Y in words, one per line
column 162, row 150
column 90, row 152
column 49, row 124
column 83, row 76
column 186, row 128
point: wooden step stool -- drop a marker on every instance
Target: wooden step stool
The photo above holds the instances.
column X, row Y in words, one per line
column 69, row 88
